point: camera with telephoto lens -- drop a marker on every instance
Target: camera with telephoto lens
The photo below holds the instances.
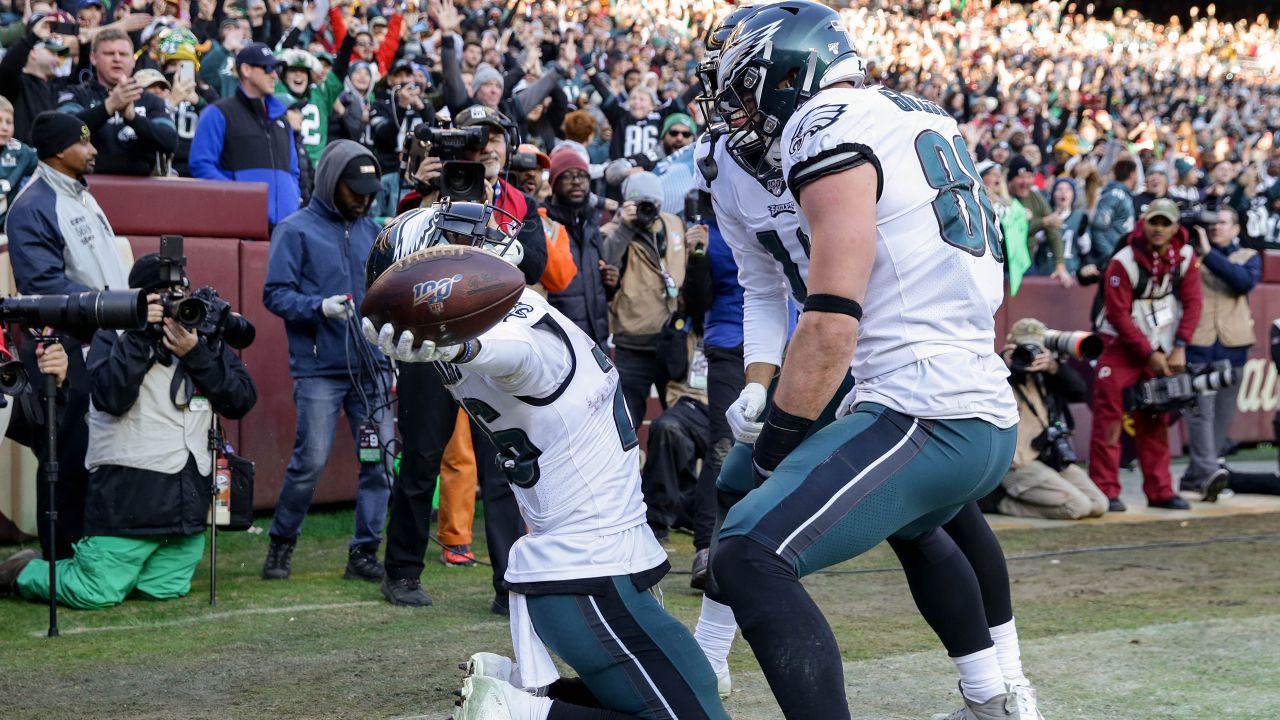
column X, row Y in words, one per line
column 1178, row 391
column 460, row 179
column 82, row 312
column 1054, row 446
column 203, row 310
column 1073, row 344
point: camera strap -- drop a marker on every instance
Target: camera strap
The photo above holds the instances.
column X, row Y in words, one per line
column 1027, row 401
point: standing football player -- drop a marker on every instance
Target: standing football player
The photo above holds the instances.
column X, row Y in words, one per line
column 762, row 227
column 580, row 579
column 885, row 185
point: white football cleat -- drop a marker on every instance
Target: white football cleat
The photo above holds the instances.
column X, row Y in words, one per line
column 486, row 698
column 482, row 699
column 492, row 665
column 1028, row 703
column 724, row 683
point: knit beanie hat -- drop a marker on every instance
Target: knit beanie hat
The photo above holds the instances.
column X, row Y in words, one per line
column 564, row 159
column 53, row 132
column 485, row 74
column 642, row 186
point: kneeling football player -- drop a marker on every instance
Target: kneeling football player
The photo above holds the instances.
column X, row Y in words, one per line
column 580, row 580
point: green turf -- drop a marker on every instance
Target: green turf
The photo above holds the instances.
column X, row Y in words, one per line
column 319, row 646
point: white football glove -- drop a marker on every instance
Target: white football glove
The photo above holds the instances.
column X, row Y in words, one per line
column 402, row 350
column 743, row 415
column 336, row 307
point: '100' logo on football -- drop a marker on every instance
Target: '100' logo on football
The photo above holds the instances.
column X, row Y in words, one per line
column 434, row 291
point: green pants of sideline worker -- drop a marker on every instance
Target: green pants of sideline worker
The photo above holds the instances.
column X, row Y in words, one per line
column 105, row 570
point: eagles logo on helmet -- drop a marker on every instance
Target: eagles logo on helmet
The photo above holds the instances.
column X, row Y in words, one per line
column 773, row 62
column 445, row 223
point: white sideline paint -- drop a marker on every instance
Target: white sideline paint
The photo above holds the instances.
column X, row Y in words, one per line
column 195, row 620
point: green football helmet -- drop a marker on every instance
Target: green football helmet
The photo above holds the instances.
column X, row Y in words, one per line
column 774, row 61
column 714, row 42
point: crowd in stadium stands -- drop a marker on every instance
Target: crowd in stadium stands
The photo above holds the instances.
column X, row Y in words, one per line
column 1086, row 131
column 1192, row 101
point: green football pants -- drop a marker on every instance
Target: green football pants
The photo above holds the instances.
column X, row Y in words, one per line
column 632, row 655
column 105, row 570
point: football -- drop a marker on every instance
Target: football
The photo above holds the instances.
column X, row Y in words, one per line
column 447, row 294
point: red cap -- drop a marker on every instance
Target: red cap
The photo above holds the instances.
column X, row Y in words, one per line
column 564, row 159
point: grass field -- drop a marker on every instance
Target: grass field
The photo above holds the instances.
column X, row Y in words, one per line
column 1189, row 630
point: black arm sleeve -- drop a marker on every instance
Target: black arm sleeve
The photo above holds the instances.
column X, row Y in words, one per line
column 158, row 136
column 223, row 378
column 455, row 93
column 117, row 365
column 1067, row 384
column 11, row 67
column 95, row 117
column 533, row 241
column 697, row 289
column 291, row 39
column 342, row 62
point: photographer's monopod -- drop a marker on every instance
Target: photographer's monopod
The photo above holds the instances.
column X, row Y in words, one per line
column 51, row 479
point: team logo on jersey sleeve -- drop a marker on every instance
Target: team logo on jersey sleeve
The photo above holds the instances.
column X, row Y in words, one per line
column 816, row 121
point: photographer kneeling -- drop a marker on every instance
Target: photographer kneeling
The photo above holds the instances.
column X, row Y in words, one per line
column 154, row 392
column 1044, row 480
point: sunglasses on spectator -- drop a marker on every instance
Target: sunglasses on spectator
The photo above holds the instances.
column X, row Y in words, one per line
column 680, row 133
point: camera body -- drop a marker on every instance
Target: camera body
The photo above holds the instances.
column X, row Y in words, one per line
column 1179, row 391
column 460, row 179
column 1054, row 446
column 646, row 213
column 203, row 310
column 522, row 162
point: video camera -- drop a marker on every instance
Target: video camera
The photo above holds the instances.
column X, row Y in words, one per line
column 203, row 310
column 460, row 179
column 1179, row 391
column 1078, row 345
column 1198, row 218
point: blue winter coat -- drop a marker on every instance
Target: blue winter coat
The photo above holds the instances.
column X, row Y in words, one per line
column 316, row 253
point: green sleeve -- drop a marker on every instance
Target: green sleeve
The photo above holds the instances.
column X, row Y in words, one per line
column 329, row 91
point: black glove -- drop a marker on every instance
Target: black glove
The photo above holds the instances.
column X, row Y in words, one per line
column 642, row 161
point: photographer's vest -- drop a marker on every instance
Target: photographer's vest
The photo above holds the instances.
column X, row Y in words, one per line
column 1225, row 315
column 643, row 304
column 1033, row 413
column 155, row 434
column 1156, row 309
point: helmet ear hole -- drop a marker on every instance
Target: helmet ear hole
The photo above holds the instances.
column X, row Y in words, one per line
column 790, row 79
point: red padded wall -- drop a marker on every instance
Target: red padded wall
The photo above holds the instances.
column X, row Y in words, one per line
column 269, row 429
column 181, row 206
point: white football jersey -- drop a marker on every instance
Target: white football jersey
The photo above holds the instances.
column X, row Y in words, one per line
column 926, row 344
column 571, row 454
column 761, row 225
